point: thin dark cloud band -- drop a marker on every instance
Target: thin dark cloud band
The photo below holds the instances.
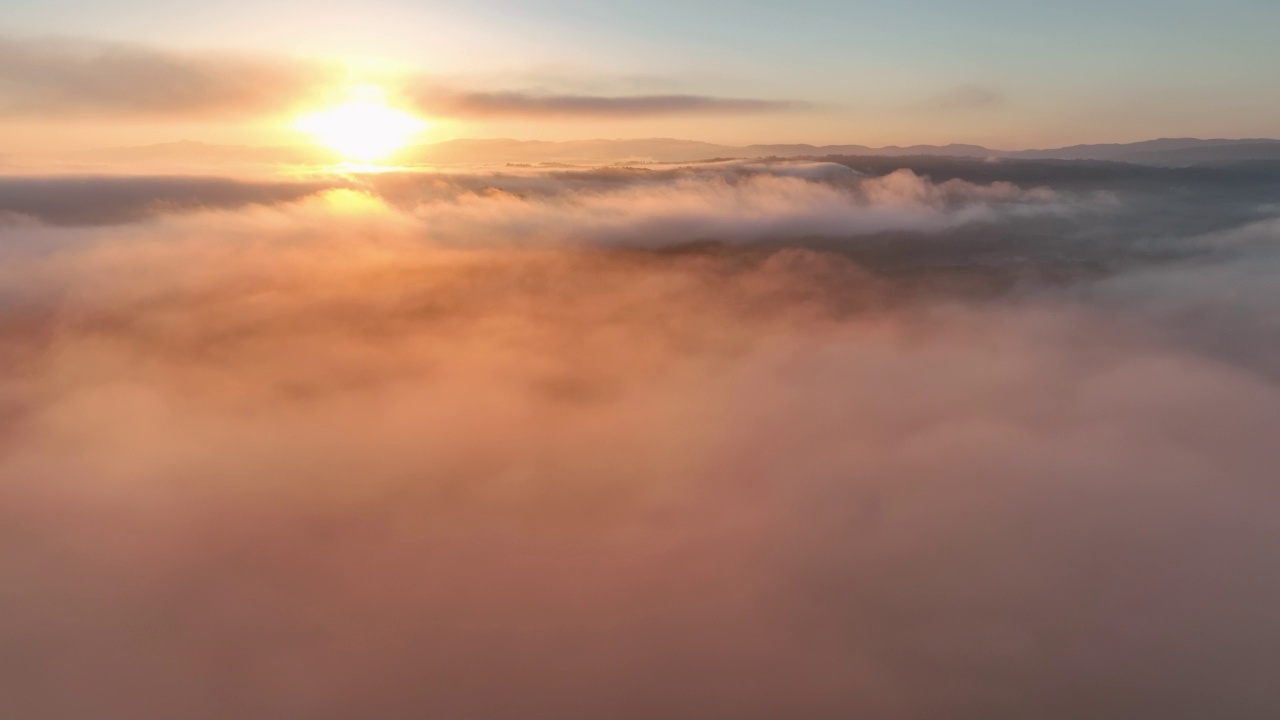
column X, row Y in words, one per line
column 521, row 104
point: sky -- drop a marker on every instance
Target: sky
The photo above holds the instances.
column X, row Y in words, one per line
column 998, row 73
column 341, row 426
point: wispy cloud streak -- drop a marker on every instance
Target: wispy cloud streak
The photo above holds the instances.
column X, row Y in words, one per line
column 533, row 105
column 54, row 77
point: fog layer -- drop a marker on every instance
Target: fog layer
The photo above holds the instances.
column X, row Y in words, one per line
column 739, row 441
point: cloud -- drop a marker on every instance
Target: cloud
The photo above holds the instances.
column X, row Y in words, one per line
column 729, row 201
column 58, row 77
column 91, row 200
column 54, row 77
column 321, row 457
column 486, row 105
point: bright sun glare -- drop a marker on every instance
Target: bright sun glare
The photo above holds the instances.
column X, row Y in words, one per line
column 364, row 128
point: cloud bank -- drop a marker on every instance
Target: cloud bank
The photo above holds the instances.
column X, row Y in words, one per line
column 643, row 206
column 886, row 447
column 89, row 200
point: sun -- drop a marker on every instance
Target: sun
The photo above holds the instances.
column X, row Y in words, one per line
column 365, row 128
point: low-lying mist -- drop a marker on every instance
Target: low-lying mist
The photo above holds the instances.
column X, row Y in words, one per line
column 743, row 440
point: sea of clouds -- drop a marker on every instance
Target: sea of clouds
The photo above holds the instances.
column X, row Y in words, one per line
column 733, row 440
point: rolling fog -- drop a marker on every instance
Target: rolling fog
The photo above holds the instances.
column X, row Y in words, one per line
column 742, row 440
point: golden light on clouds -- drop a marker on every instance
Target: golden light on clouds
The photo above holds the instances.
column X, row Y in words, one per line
column 365, row 128
column 353, row 202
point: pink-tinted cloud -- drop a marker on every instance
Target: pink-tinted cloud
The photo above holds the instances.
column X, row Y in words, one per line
column 322, row 459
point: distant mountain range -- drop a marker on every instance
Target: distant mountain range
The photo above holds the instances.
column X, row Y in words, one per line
column 1165, row 152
